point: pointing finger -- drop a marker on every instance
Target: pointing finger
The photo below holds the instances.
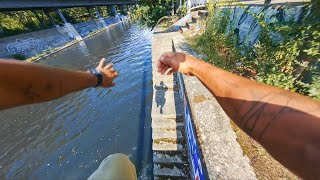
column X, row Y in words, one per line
column 101, row 62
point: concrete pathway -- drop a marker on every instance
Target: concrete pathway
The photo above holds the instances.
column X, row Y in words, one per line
column 169, row 144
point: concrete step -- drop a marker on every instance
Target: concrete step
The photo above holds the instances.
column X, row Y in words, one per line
column 167, row 123
column 167, row 144
column 185, row 29
column 165, row 83
column 192, row 26
column 170, row 178
column 203, row 13
column 171, row 170
column 195, row 19
column 170, row 134
column 173, row 157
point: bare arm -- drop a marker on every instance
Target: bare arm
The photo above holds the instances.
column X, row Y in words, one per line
column 285, row 123
column 25, row 83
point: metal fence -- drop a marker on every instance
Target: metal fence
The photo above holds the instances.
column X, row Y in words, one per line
column 196, row 3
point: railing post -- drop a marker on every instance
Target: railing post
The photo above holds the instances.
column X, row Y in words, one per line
column 100, row 21
column 72, row 32
column 61, row 16
column 47, row 13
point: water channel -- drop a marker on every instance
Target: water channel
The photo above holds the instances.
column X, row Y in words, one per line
column 69, row 137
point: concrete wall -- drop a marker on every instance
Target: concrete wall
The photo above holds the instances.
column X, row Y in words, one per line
column 243, row 22
column 85, row 28
column 30, row 44
column 116, row 19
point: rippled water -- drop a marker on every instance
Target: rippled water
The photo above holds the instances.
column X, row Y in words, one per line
column 69, row 137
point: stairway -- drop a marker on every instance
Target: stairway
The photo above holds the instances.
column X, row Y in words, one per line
column 194, row 24
column 169, row 143
column 170, row 155
column 170, row 151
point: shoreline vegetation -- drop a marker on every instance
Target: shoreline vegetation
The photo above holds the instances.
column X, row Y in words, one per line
column 292, row 64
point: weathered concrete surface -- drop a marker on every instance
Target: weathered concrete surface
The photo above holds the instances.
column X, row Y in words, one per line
column 30, row 44
column 164, row 104
column 168, row 137
column 33, row 43
column 222, row 154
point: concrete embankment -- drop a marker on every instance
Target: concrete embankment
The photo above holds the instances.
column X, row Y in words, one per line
column 221, row 155
column 55, row 39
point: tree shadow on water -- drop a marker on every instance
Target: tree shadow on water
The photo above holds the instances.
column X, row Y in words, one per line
column 160, row 95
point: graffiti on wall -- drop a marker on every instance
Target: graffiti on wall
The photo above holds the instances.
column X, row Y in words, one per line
column 58, row 40
column 85, row 28
column 243, row 21
column 27, row 47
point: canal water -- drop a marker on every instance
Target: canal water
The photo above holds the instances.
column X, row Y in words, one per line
column 69, row 137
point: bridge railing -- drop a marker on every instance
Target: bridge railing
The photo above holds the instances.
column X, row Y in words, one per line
column 192, row 4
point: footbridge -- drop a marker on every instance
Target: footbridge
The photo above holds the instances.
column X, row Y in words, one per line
column 9, row 5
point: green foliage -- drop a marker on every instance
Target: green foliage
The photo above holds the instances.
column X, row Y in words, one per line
column 19, row 57
column 17, row 22
column 314, row 88
column 292, row 63
column 150, row 12
column 182, row 11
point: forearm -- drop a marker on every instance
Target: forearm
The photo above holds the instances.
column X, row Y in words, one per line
column 285, row 123
column 23, row 83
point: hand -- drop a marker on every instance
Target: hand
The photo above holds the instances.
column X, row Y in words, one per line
column 108, row 74
column 174, row 62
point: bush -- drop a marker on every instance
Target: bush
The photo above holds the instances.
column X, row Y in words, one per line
column 148, row 14
column 182, row 11
column 19, row 57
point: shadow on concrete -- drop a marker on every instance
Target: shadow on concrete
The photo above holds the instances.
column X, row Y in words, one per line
column 160, row 95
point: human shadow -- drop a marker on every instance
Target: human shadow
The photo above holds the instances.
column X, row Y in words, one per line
column 160, row 95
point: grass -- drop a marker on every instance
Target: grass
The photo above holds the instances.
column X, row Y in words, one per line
column 264, row 165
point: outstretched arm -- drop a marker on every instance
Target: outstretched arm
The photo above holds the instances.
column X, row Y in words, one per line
column 285, row 123
column 25, row 83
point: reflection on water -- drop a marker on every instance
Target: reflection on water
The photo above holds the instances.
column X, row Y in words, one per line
column 69, row 137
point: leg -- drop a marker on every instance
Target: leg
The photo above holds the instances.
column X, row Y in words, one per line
column 115, row 166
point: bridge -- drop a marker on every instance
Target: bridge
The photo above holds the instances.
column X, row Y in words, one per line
column 50, row 6
column 9, row 5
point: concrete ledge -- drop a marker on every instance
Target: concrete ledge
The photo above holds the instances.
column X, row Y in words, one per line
column 222, row 155
column 163, row 104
